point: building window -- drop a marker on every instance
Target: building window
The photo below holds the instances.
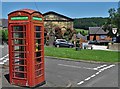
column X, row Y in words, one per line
column 103, row 36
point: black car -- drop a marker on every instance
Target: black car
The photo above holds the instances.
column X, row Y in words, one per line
column 63, row 43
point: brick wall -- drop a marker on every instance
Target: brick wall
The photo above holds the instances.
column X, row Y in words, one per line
column 98, row 38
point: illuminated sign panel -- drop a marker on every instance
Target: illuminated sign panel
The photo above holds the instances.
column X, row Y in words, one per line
column 19, row 18
column 37, row 18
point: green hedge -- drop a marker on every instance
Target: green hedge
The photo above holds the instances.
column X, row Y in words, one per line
column 4, row 35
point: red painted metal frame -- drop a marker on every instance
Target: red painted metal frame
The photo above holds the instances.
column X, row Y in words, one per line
column 31, row 79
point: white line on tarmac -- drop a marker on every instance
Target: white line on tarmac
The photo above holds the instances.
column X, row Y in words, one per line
column 80, row 83
column 4, row 61
column 101, row 70
column 100, row 67
column 76, row 67
column 4, row 57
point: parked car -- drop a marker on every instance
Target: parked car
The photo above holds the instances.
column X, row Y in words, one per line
column 114, row 39
column 63, row 43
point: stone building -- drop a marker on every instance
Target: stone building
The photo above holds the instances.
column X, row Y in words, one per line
column 53, row 19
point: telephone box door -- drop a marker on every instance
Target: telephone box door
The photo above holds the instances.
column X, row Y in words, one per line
column 18, row 53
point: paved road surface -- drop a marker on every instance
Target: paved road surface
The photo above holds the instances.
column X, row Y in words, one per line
column 75, row 74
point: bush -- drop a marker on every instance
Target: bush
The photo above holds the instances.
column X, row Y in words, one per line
column 4, row 35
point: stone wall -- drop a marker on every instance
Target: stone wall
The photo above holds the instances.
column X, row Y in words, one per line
column 52, row 20
column 115, row 46
column 54, row 24
column 98, row 38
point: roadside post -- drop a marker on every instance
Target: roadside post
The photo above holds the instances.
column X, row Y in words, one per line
column 26, row 48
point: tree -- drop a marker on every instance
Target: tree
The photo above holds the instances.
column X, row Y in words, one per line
column 58, row 33
column 68, row 34
column 113, row 21
column 5, row 35
column 85, row 23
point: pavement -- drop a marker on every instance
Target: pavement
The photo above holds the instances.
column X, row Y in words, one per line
column 66, row 73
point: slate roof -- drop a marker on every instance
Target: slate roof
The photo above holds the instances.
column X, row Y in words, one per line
column 52, row 12
column 3, row 22
column 81, row 36
column 97, row 30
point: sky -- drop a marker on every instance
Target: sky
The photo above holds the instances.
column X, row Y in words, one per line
column 70, row 9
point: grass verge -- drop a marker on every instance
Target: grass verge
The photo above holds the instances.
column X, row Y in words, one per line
column 90, row 55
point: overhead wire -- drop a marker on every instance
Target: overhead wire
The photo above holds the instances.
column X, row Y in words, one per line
column 36, row 5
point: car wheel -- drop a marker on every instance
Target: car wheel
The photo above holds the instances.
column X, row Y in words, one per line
column 57, row 46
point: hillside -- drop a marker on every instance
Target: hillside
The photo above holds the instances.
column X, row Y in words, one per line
column 85, row 23
column 79, row 23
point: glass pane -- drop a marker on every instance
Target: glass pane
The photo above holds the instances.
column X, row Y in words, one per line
column 18, row 28
column 37, row 28
column 19, row 41
column 19, row 48
column 19, row 68
column 38, row 72
column 38, row 66
column 38, row 60
column 19, row 61
column 20, row 75
column 38, row 34
column 38, row 41
column 38, row 54
column 19, row 55
column 18, row 35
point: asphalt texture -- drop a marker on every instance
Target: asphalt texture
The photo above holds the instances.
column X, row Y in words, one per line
column 66, row 73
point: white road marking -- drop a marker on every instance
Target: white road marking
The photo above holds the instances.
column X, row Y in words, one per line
column 76, row 66
column 80, row 82
column 87, row 78
column 101, row 70
column 106, row 67
column 6, row 59
column 93, row 75
column 100, row 67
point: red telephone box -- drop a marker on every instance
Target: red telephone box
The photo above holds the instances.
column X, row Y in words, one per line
column 26, row 48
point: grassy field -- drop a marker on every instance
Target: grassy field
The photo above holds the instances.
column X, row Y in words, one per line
column 81, row 30
column 90, row 55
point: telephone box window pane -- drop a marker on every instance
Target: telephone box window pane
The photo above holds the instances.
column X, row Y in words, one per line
column 19, row 75
column 37, row 45
column 19, row 48
column 37, row 28
column 19, row 61
column 38, row 60
column 18, row 28
column 19, row 41
column 19, row 68
column 37, row 31
column 18, row 35
column 38, row 66
column 38, row 54
column 38, row 41
column 37, row 34
column 19, row 55
column 38, row 73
